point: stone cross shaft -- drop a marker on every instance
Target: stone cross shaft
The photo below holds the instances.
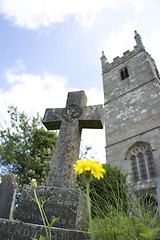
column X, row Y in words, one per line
column 70, row 120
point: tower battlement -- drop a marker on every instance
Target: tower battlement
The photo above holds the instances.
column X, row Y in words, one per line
column 106, row 66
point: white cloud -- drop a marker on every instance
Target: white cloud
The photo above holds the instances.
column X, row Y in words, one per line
column 34, row 93
column 119, row 42
column 152, row 46
column 138, row 4
column 35, row 13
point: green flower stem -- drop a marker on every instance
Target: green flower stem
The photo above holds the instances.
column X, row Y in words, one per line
column 44, row 223
column 47, row 223
column 89, row 208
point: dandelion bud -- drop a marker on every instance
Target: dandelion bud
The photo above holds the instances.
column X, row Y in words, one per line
column 33, row 183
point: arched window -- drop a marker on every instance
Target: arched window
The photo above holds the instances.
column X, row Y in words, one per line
column 124, row 73
column 142, row 162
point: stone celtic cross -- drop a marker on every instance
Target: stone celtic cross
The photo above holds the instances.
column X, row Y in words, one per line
column 70, row 120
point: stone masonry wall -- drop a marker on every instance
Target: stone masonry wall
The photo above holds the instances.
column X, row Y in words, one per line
column 132, row 107
column 135, row 112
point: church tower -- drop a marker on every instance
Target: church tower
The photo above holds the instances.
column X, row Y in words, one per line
column 132, row 116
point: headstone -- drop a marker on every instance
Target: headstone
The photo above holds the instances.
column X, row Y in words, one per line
column 8, row 189
column 67, row 203
column 62, row 199
column 17, row 230
column 158, row 192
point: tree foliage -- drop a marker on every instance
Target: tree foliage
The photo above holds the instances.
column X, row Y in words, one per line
column 26, row 147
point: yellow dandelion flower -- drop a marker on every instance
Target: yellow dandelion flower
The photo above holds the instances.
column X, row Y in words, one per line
column 89, row 167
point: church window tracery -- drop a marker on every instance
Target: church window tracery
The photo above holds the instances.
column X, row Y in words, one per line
column 142, row 162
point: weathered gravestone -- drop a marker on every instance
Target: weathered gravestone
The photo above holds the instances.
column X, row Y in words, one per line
column 62, row 199
column 8, row 189
column 66, row 203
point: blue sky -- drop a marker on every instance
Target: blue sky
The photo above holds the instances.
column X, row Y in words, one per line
column 50, row 47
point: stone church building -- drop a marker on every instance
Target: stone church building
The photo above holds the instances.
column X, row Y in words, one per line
column 132, row 116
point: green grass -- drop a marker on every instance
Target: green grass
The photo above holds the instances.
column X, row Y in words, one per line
column 124, row 217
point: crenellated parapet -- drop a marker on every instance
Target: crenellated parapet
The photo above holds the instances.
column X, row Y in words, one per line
column 106, row 66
